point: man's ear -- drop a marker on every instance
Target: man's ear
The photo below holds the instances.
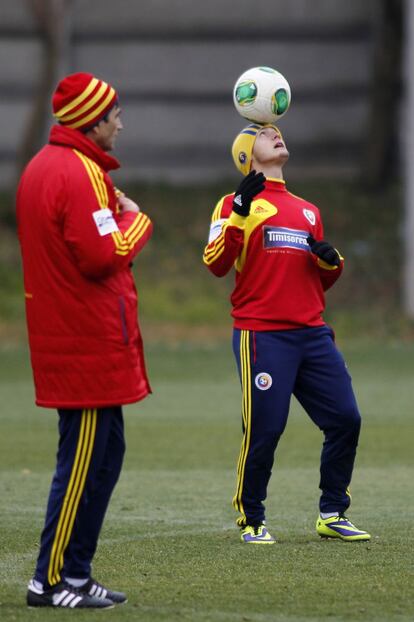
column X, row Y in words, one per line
column 93, row 131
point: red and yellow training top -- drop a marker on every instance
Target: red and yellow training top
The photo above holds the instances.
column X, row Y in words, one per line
column 280, row 284
column 81, row 301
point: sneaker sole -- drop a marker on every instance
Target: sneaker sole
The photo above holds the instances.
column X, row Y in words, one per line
column 50, row 606
column 350, row 539
column 258, row 542
column 57, row 607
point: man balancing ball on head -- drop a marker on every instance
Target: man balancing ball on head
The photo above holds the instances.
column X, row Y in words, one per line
column 78, row 239
column 281, row 343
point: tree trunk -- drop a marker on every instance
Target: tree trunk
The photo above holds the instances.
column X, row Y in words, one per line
column 53, row 21
column 380, row 154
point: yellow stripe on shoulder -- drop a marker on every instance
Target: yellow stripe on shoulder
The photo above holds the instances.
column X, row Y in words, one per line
column 100, row 177
column 97, row 182
column 217, row 210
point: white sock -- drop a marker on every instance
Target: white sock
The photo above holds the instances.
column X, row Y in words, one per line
column 326, row 515
column 37, row 584
column 76, row 582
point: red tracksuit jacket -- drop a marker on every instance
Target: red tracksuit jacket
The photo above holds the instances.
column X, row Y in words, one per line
column 81, row 301
column 279, row 283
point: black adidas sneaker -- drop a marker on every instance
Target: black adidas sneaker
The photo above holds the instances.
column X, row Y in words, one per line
column 65, row 596
column 95, row 589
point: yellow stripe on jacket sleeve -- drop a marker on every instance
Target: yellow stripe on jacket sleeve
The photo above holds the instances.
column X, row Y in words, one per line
column 139, row 231
column 97, row 180
column 126, row 241
column 209, row 260
column 135, row 225
column 214, row 246
column 213, row 250
column 121, row 245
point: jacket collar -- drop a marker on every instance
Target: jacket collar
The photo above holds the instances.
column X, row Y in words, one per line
column 68, row 137
column 273, row 183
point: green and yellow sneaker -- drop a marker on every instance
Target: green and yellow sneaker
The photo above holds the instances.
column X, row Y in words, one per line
column 256, row 535
column 340, row 527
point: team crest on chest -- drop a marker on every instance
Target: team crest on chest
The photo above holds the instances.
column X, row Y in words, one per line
column 309, row 215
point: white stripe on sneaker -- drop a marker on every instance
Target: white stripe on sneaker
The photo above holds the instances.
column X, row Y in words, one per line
column 75, row 601
column 69, row 598
column 59, row 596
column 98, row 591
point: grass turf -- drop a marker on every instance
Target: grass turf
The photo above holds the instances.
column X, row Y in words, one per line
column 169, row 539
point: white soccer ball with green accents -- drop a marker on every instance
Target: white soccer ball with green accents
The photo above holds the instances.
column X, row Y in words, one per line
column 262, row 95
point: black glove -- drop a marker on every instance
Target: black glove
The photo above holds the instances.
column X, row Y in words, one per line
column 250, row 186
column 324, row 251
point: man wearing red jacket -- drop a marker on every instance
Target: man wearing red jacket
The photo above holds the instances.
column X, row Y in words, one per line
column 78, row 239
column 281, row 343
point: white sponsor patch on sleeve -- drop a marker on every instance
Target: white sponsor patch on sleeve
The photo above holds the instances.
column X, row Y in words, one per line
column 215, row 229
column 105, row 222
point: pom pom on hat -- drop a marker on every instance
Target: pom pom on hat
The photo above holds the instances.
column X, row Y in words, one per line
column 81, row 100
column 243, row 144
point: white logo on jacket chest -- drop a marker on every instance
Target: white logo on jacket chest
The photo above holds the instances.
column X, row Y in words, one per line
column 104, row 220
column 282, row 237
column 310, row 216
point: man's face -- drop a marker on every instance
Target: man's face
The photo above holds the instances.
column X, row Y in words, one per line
column 106, row 132
column 269, row 148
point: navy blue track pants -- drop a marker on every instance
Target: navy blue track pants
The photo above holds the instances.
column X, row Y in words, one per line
column 272, row 366
column 89, row 461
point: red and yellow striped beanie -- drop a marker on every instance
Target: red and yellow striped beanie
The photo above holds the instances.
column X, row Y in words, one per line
column 81, row 100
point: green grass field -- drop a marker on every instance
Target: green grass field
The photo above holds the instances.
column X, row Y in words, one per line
column 169, row 539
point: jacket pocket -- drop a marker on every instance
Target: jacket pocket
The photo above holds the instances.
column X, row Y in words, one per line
column 122, row 313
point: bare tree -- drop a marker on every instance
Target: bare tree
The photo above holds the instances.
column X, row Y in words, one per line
column 53, row 22
column 382, row 135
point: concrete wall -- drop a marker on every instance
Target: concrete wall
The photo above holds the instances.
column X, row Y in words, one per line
column 174, row 63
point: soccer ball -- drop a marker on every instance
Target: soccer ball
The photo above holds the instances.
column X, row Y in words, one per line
column 262, row 95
